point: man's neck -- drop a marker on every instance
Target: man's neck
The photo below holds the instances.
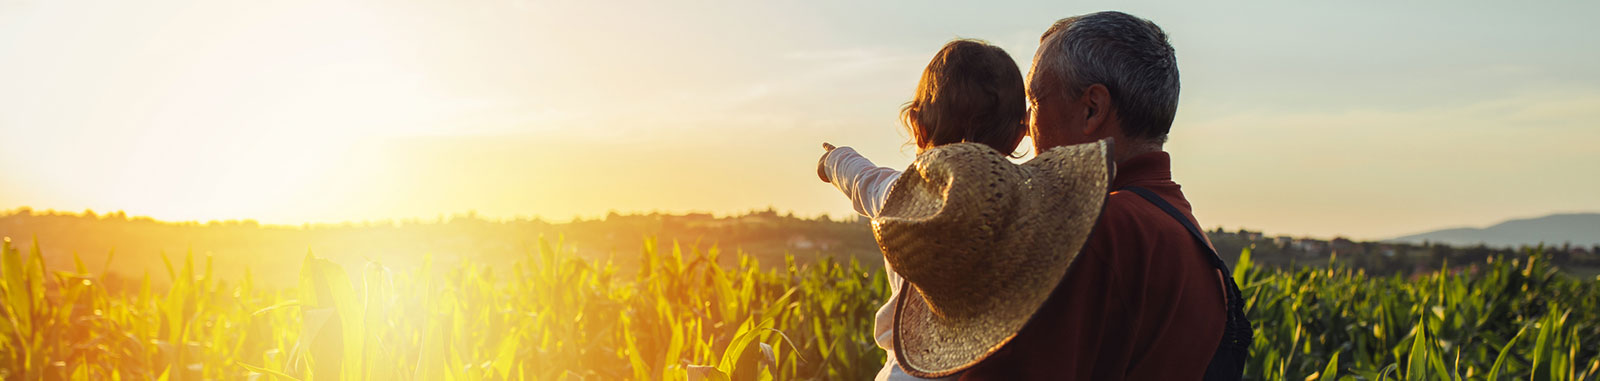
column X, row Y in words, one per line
column 1124, row 149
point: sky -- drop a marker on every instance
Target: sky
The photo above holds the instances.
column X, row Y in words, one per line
column 1359, row 119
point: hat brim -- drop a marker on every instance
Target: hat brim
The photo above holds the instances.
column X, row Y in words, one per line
column 931, row 345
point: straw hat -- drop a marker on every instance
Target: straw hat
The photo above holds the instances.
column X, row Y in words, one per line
column 982, row 242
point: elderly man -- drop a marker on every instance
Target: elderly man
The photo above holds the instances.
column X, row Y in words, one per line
column 1147, row 298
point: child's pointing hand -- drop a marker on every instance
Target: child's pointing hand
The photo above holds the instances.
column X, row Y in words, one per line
column 821, row 167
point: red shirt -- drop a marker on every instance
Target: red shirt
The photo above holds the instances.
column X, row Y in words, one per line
column 1141, row 301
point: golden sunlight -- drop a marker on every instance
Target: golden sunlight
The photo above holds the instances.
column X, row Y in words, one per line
column 525, row 189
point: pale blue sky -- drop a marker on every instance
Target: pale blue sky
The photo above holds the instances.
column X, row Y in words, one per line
column 1361, row 119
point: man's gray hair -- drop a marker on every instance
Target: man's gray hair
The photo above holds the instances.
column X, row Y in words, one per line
column 1127, row 54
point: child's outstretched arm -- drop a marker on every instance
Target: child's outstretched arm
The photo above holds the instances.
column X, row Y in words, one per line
column 866, row 184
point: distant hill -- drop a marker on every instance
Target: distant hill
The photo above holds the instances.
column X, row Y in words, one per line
column 1580, row 229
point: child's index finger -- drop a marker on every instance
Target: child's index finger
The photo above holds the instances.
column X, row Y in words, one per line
column 827, row 147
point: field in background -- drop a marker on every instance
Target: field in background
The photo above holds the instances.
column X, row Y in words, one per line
column 273, row 252
column 682, row 315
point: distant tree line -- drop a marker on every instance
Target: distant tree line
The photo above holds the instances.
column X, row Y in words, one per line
column 1385, row 258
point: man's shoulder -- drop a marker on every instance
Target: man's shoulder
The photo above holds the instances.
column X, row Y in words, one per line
column 1126, row 211
column 1129, row 217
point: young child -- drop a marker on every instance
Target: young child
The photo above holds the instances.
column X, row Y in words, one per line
column 971, row 92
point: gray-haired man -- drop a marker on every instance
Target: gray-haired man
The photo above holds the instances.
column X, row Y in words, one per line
column 1147, row 298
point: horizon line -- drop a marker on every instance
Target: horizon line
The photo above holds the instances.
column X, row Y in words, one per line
column 468, row 214
column 442, row 218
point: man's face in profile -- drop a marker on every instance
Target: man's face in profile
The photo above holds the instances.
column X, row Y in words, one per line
column 1049, row 107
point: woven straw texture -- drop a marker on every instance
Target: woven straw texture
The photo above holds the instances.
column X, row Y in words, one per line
column 982, row 242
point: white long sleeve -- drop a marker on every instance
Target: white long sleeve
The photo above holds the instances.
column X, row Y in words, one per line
column 866, row 184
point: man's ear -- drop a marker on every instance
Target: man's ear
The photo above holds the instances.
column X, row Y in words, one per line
column 1097, row 110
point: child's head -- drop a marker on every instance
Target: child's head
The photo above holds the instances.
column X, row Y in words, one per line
column 970, row 92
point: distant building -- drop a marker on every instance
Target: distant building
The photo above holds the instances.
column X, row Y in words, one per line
column 1310, row 246
column 802, row 242
column 798, row 241
column 1250, row 235
column 758, row 220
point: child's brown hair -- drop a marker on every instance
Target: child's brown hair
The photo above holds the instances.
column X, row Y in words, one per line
column 971, row 92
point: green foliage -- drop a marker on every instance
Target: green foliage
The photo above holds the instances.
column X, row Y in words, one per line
column 557, row 316
column 1505, row 318
column 553, row 315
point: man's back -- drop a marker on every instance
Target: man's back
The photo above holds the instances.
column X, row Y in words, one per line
column 1141, row 302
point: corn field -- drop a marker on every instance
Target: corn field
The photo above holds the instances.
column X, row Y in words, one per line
column 682, row 316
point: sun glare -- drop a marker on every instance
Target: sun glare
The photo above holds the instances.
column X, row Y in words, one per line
column 231, row 111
